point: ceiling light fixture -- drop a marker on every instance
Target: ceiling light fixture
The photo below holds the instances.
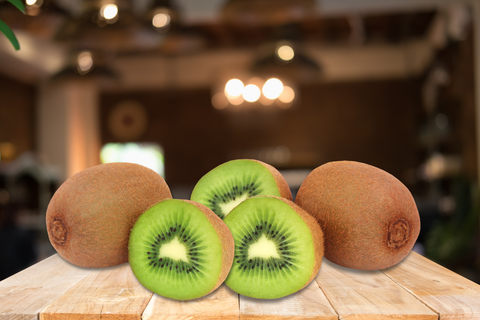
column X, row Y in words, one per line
column 272, row 88
column 234, row 87
column 84, row 62
column 285, row 52
column 109, row 11
column 251, row 93
column 161, row 20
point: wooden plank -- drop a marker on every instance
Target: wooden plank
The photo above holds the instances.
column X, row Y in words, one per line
column 25, row 294
column 107, row 293
column 220, row 304
column 308, row 303
column 447, row 293
column 358, row 294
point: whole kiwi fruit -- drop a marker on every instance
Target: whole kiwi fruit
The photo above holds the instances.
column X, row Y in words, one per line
column 369, row 218
column 90, row 216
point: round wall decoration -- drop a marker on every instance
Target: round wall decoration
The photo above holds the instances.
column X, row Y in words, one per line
column 128, row 120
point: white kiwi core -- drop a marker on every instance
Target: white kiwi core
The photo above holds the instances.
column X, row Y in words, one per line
column 227, row 207
column 174, row 250
column 263, row 248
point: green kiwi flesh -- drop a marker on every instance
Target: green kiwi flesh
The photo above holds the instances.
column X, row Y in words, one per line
column 227, row 185
column 176, row 251
column 277, row 250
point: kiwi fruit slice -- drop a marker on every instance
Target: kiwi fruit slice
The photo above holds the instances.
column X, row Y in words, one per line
column 227, row 185
column 90, row 216
column 369, row 217
column 278, row 248
column 180, row 249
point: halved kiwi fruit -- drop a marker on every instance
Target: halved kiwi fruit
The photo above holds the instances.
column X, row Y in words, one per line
column 227, row 185
column 180, row 249
column 369, row 217
column 278, row 248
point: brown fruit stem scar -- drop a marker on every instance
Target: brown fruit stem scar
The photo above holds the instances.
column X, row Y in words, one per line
column 59, row 231
column 398, row 233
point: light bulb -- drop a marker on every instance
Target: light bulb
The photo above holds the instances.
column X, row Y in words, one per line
column 234, row 87
column 272, row 88
column 161, row 20
column 84, row 62
column 287, row 95
column 285, row 53
column 109, row 11
column 251, row 93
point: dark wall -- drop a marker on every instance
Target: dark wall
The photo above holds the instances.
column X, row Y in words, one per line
column 373, row 122
column 17, row 111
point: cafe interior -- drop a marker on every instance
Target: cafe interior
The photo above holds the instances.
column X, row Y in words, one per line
column 182, row 86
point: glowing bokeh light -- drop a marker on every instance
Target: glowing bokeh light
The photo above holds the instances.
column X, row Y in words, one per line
column 84, row 62
column 236, row 101
column 109, row 11
column 30, row 2
column 251, row 93
column 272, row 88
column 161, row 20
column 287, row 95
column 285, row 53
column 234, row 87
column 219, row 101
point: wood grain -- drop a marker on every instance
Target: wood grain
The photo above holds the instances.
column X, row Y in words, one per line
column 358, row 294
column 25, row 294
column 107, row 293
column 447, row 293
column 220, row 304
column 308, row 303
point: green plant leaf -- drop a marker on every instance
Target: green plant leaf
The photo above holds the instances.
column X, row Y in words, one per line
column 9, row 34
column 19, row 4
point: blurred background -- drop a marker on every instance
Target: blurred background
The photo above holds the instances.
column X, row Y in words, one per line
column 182, row 86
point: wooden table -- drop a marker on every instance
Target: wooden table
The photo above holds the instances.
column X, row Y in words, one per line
column 416, row 288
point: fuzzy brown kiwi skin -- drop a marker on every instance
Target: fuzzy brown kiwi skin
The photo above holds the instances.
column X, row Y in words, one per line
column 90, row 216
column 369, row 217
column 226, row 239
column 282, row 184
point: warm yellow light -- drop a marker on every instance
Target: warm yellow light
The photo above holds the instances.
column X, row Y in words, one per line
column 161, row 20
column 287, row 95
column 109, row 11
column 285, row 53
column 234, row 87
column 272, row 88
column 84, row 62
column 236, row 101
column 251, row 93
column 30, row 2
column 219, row 101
